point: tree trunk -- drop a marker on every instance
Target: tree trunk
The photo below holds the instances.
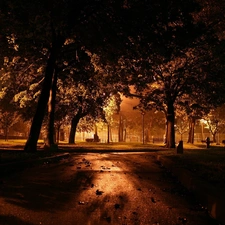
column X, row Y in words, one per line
column 108, row 133
column 51, row 113
column 214, row 137
column 73, row 128
column 170, row 139
column 31, row 144
column 6, row 134
column 57, row 134
column 120, row 131
column 125, row 135
column 147, row 136
column 191, row 130
column 165, row 135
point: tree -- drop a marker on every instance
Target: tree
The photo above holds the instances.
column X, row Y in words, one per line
column 49, row 27
column 111, row 107
column 25, row 29
column 169, row 66
column 7, row 120
column 78, row 98
column 192, row 108
column 215, row 121
column 181, row 122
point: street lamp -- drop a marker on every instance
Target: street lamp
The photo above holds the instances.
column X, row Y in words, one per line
column 143, row 128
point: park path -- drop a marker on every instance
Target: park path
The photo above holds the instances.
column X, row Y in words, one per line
column 98, row 189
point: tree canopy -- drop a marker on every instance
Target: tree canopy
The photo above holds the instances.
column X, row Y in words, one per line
column 177, row 59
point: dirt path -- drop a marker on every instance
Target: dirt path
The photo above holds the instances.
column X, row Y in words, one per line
column 98, row 189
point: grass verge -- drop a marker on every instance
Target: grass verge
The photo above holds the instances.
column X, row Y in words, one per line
column 208, row 164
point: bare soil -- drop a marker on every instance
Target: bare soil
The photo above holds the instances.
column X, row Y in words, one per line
column 98, row 189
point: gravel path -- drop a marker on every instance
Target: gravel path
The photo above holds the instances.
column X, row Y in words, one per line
column 98, row 189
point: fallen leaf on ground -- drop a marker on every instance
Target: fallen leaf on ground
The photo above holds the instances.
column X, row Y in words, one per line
column 108, row 219
column 117, row 206
column 99, row 192
column 153, row 200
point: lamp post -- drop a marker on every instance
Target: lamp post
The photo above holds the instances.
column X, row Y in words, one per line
column 143, row 128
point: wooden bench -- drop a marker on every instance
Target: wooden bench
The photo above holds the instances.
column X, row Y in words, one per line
column 91, row 140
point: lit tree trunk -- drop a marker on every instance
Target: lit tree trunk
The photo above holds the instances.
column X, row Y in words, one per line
column 120, row 130
column 170, row 139
column 51, row 114
column 191, row 130
column 125, row 135
column 31, row 144
column 147, row 139
column 108, row 133
column 148, row 132
column 73, row 128
column 166, row 131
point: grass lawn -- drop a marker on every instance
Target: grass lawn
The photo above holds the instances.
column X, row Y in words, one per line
column 208, row 164
column 12, row 151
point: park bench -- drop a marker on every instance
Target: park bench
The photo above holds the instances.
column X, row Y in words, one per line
column 91, row 140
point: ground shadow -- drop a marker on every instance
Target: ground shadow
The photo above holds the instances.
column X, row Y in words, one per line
column 10, row 219
column 46, row 192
